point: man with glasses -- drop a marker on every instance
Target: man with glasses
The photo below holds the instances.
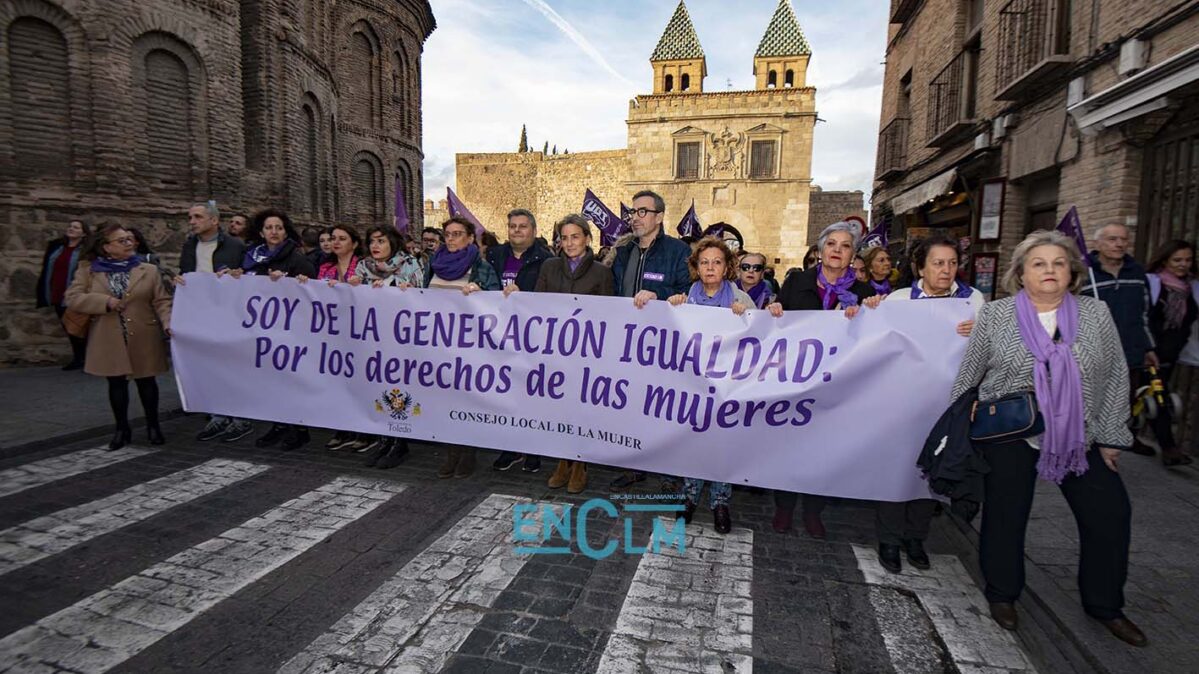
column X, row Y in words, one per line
column 653, row 266
column 518, row 263
column 431, row 238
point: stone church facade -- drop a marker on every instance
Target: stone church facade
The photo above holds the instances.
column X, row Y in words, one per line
column 122, row 111
column 744, row 157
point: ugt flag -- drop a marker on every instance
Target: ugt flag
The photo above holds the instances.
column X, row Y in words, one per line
column 876, row 236
column 603, row 218
column 689, row 225
column 1071, row 226
column 458, row 209
column 401, row 222
column 625, row 213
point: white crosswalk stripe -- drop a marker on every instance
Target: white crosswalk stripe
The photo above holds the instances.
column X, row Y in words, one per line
column 111, row 626
column 38, row 473
column 49, row 535
column 957, row 609
column 420, row 616
column 688, row 612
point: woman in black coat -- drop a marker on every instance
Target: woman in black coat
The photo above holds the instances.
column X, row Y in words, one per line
column 58, row 270
column 828, row 285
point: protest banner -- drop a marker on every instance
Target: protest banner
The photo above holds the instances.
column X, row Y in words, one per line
column 789, row 403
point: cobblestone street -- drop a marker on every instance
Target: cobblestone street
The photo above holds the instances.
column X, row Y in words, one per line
column 205, row 557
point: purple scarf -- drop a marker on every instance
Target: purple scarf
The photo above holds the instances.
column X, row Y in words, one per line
column 722, row 298
column 759, row 293
column 1058, row 385
column 107, row 265
column 260, row 255
column 839, row 290
column 881, row 287
column 963, row 292
column 453, row 266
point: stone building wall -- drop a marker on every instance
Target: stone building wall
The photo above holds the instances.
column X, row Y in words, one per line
column 118, row 111
column 827, row 207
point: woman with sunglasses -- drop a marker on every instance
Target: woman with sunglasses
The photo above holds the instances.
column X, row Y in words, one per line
column 751, row 280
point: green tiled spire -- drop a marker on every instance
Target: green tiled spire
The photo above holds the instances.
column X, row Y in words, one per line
column 678, row 41
column 783, row 36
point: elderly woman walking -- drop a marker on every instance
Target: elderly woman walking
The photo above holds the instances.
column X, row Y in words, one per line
column 1066, row 350
column 131, row 316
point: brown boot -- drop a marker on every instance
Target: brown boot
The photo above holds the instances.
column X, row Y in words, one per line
column 466, row 463
column 561, row 475
column 452, row 454
column 578, row 477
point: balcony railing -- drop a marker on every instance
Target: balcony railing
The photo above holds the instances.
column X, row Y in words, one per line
column 951, row 101
column 892, row 149
column 902, row 10
column 1033, row 42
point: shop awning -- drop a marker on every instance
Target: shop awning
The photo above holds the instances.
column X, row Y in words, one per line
column 1137, row 95
column 933, row 187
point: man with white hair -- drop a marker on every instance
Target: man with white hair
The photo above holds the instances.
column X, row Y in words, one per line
column 1120, row 281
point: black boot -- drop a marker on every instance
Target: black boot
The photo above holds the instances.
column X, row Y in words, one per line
column 722, row 519
column 888, row 556
column 379, row 453
column 916, row 554
column 294, row 438
column 120, row 438
column 271, row 437
column 395, row 456
column 689, row 507
column 154, row 433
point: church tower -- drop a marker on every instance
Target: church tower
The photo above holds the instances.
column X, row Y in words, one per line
column 678, row 60
column 782, row 57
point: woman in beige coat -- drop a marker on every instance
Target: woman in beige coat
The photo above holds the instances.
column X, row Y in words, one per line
column 131, row 314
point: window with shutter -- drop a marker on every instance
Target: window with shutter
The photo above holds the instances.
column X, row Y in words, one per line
column 687, row 161
column 168, row 122
column 40, row 90
column 761, row 159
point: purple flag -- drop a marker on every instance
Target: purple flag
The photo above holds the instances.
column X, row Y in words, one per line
column 716, row 230
column 603, row 218
column 1072, row 227
column 876, row 236
column 689, row 225
column 458, row 209
column 625, row 213
column 401, row 222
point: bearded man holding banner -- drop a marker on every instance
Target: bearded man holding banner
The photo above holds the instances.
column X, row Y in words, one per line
column 829, row 285
column 651, row 266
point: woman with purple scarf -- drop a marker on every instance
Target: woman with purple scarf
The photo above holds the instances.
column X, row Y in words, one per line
column 130, row 313
column 751, row 280
column 712, row 275
column 829, row 285
column 878, row 269
column 1066, row 350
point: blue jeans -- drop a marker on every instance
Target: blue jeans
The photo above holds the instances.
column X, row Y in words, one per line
column 718, row 494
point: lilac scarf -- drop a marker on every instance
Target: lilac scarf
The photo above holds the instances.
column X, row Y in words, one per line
column 722, row 298
column 839, row 290
column 260, row 255
column 453, row 266
column 107, row 265
column 1058, row 385
column 963, row 292
column 881, row 287
column 759, row 293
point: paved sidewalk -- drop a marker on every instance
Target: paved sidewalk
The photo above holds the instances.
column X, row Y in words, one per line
column 42, row 403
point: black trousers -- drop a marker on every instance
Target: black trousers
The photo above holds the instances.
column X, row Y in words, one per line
column 1101, row 509
column 78, row 344
column 907, row 520
column 812, row 504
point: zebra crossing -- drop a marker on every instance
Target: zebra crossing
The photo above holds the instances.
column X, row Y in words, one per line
column 681, row 611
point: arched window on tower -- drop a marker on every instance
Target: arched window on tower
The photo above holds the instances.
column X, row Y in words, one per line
column 365, row 191
column 364, row 81
column 685, row 82
column 789, row 79
column 40, row 90
column 669, row 86
column 309, row 161
column 168, row 106
column 772, row 80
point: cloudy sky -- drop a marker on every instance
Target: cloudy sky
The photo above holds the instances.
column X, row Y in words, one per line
column 567, row 69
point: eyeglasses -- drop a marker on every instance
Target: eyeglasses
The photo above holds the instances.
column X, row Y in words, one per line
column 124, row 239
column 640, row 212
column 752, row 267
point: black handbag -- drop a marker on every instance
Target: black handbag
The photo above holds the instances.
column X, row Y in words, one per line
column 1012, row 417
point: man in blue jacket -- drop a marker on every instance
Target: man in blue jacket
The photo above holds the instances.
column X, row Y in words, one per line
column 1120, row 282
column 653, row 266
column 517, row 263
